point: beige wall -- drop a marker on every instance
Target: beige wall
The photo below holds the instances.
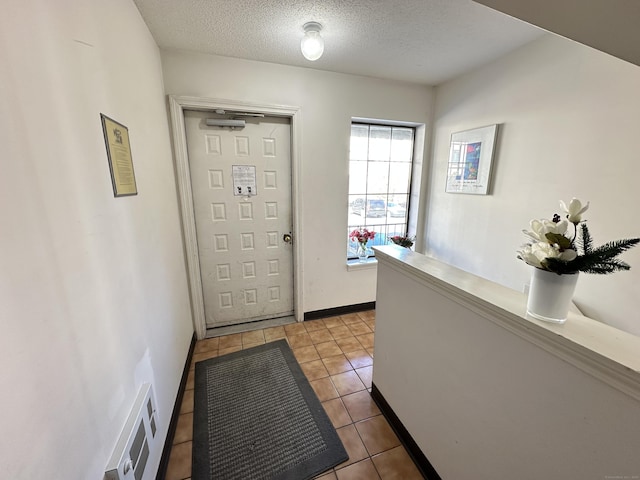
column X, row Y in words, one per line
column 569, row 118
column 93, row 296
column 327, row 102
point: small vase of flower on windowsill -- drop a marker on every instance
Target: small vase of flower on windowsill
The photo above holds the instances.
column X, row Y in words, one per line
column 405, row 241
column 362, row 237
column 559, row 251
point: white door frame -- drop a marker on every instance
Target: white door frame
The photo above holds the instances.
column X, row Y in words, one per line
column 177, row 105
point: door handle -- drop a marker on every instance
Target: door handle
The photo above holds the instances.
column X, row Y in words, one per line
column 286, row 238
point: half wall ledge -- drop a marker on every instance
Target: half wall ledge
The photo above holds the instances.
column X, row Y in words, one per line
column 489, row 392
column 601, row 350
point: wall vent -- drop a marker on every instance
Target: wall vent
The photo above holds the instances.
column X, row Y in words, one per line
column 137, row 440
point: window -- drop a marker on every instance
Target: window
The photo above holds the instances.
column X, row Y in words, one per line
column 380, row 161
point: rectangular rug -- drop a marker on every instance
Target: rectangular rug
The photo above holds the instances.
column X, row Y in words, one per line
column 257, row 417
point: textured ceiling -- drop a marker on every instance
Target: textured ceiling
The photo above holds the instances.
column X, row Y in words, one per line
column 423, row 41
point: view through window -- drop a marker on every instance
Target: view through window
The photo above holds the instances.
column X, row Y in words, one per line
column 380, row 161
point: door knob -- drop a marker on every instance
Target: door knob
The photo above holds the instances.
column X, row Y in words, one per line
column 286, row 238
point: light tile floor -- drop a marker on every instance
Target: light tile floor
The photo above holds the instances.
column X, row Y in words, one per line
column 336, row 355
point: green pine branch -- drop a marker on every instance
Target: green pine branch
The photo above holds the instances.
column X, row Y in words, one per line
column 585, row 242
column 601, row 260
column 607, row 267
column 615, row 248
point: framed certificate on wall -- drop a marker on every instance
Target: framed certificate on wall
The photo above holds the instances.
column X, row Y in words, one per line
column 116, row 139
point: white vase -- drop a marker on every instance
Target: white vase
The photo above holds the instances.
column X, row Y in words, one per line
column 550, row 295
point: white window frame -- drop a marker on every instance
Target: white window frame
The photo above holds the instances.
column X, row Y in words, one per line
column 413, row 194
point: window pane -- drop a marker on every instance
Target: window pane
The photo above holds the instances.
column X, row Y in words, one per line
column 402, row 145
column 356, row 210
column 357, row 177
column 359, row 142
column 375, row 210
column 378, row 177
column 379, row 143
column 399, row 177
column 397, row 208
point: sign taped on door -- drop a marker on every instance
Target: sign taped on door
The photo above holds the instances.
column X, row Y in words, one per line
column 244, row 180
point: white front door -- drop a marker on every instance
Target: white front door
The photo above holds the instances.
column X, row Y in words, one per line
column 246, row 259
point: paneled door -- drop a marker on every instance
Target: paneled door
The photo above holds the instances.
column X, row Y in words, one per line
column 241, row 186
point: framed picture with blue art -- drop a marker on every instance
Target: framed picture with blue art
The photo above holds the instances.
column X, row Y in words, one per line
column 470, row 159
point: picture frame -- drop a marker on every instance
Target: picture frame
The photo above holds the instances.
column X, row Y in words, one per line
column 116, row 139
column 470, row 158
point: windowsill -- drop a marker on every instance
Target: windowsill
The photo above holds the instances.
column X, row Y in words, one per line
column 358, row 265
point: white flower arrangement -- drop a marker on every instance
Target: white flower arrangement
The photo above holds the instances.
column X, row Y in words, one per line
column 556, row 248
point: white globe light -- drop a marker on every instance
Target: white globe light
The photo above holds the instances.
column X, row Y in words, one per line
column 312, row 44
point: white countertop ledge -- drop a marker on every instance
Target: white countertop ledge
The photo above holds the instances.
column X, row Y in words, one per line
column 601, row 350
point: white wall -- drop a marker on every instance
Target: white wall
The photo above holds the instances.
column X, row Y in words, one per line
column 327, row 102
column 93, row 295
column 569, row 118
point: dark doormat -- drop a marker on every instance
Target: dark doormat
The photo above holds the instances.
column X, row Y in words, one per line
column 257, row 417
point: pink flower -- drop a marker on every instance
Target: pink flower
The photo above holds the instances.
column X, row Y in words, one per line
column 362, row 236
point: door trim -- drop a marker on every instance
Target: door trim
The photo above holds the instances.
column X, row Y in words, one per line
column 177, row 106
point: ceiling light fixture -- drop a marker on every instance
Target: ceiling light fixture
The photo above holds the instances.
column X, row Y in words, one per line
column 312, row 44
